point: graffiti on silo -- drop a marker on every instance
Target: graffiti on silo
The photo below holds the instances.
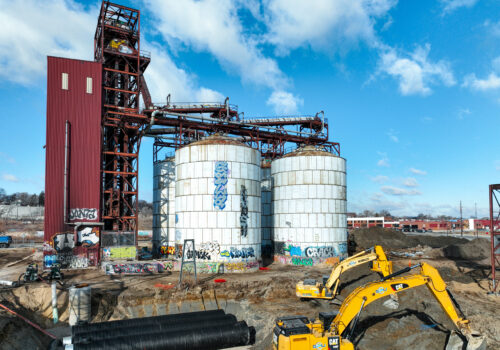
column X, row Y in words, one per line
column 244, row 211
column 220, row 182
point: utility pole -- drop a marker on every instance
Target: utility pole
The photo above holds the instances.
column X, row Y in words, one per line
column 475, row 218
column 461, row 221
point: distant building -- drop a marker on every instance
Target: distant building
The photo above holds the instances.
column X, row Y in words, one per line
column 375, row 221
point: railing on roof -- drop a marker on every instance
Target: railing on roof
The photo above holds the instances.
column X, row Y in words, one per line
column 194, row 105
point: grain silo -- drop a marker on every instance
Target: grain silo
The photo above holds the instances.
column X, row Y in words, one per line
column 218, row 202
column 163, row 204
column 309, row 205
column 266, row 217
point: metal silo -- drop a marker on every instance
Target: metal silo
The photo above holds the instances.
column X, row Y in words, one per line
column 266, row 198
column 217, row 201
column 309, row 206
column 163, row 204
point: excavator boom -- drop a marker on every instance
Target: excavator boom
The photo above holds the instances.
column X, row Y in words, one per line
column 329, row 289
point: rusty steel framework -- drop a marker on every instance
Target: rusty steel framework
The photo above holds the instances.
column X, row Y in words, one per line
column 117, row 47
column 494, row 191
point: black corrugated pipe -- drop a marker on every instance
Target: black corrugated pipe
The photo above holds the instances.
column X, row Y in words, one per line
column 208, row 338
column 163, row 327
column 145, row 320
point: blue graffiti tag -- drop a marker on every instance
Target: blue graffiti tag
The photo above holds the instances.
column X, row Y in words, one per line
column 220, row 182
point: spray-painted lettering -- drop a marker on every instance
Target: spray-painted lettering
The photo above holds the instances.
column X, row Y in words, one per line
column 320, row 252
column 88, row 236
column 243, row 253
column 83, row 214
column 244, row 211
column 298, row 261
column 220, row 182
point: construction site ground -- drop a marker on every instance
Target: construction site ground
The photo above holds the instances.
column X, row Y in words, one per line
column 258, row 298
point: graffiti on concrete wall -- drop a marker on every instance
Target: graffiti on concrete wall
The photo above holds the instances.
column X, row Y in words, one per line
column 220, row 182
column 88, row 236
column 205, row 252
column 70, row 261
column 343, row 249
column 244, row 211
column 83, row 214
column 167, row 250
column 300, row 261
column 293, row 250
column 240, row 266
column 133, row 268
column 119, row 253
column 320, row 252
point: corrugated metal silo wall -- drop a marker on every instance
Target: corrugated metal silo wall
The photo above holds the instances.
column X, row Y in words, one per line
column 82, row 109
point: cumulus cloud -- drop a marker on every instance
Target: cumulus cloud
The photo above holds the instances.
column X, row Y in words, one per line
column 321, row 24
column 417, row 171
column 214, row 26
column 452, row 5
column 9, row 178
column 380, row 179
column 415, row 71
column 492, row 82
column 462, row 112
column 165, row 77
column 396, row 191
column 68, row 31
column 410, row 182
column 284, row 102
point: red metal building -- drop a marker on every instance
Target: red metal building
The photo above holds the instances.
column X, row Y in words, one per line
column 73, row 157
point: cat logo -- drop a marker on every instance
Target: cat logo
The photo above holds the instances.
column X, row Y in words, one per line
column 333, row 343
column 399, row 286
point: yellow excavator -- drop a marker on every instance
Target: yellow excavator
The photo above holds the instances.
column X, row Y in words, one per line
column 311, row 289
column 327, row 332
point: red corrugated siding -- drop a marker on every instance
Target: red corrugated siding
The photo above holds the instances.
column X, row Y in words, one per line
column 83, row 111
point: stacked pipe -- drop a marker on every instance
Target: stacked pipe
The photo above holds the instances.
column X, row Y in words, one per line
column 195, row 330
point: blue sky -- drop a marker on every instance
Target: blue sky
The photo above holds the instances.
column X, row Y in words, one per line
column 411, row 89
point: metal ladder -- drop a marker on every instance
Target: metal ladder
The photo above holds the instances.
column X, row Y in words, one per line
column 185, row 260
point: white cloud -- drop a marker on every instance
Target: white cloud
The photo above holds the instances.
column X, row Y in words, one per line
column 410, row 182
column 384, row 161
column 164, row 77
column 392, row 135
column 380, row 179
column 415, row 71
column 493, row 28
column 35, row 29
column 68, row 31
column 214, row 26
column 452, row 5
column 323, row 24
column 417, row 171
column 426, row 119
column 490, row 83
column 9, row 178
column 284, row 102
column 396, row 191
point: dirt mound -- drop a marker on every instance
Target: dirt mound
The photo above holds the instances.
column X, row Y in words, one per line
column 477, row 249
column 15, row 334
column 360, row 239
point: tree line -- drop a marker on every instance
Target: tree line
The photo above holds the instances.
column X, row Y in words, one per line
column 22, row 198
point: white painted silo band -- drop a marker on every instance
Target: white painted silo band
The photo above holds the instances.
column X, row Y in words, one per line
column 309, row 205
column 209, row 200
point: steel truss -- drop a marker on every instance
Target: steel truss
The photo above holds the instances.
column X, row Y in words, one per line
column 117, row 47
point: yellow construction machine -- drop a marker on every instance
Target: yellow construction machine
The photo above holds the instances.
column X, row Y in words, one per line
column 327, row 332
column 311, row 289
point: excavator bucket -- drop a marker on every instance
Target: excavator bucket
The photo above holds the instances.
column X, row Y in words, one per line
column 472, row 341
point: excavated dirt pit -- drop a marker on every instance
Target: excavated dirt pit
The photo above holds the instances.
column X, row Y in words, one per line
column 258, row 298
